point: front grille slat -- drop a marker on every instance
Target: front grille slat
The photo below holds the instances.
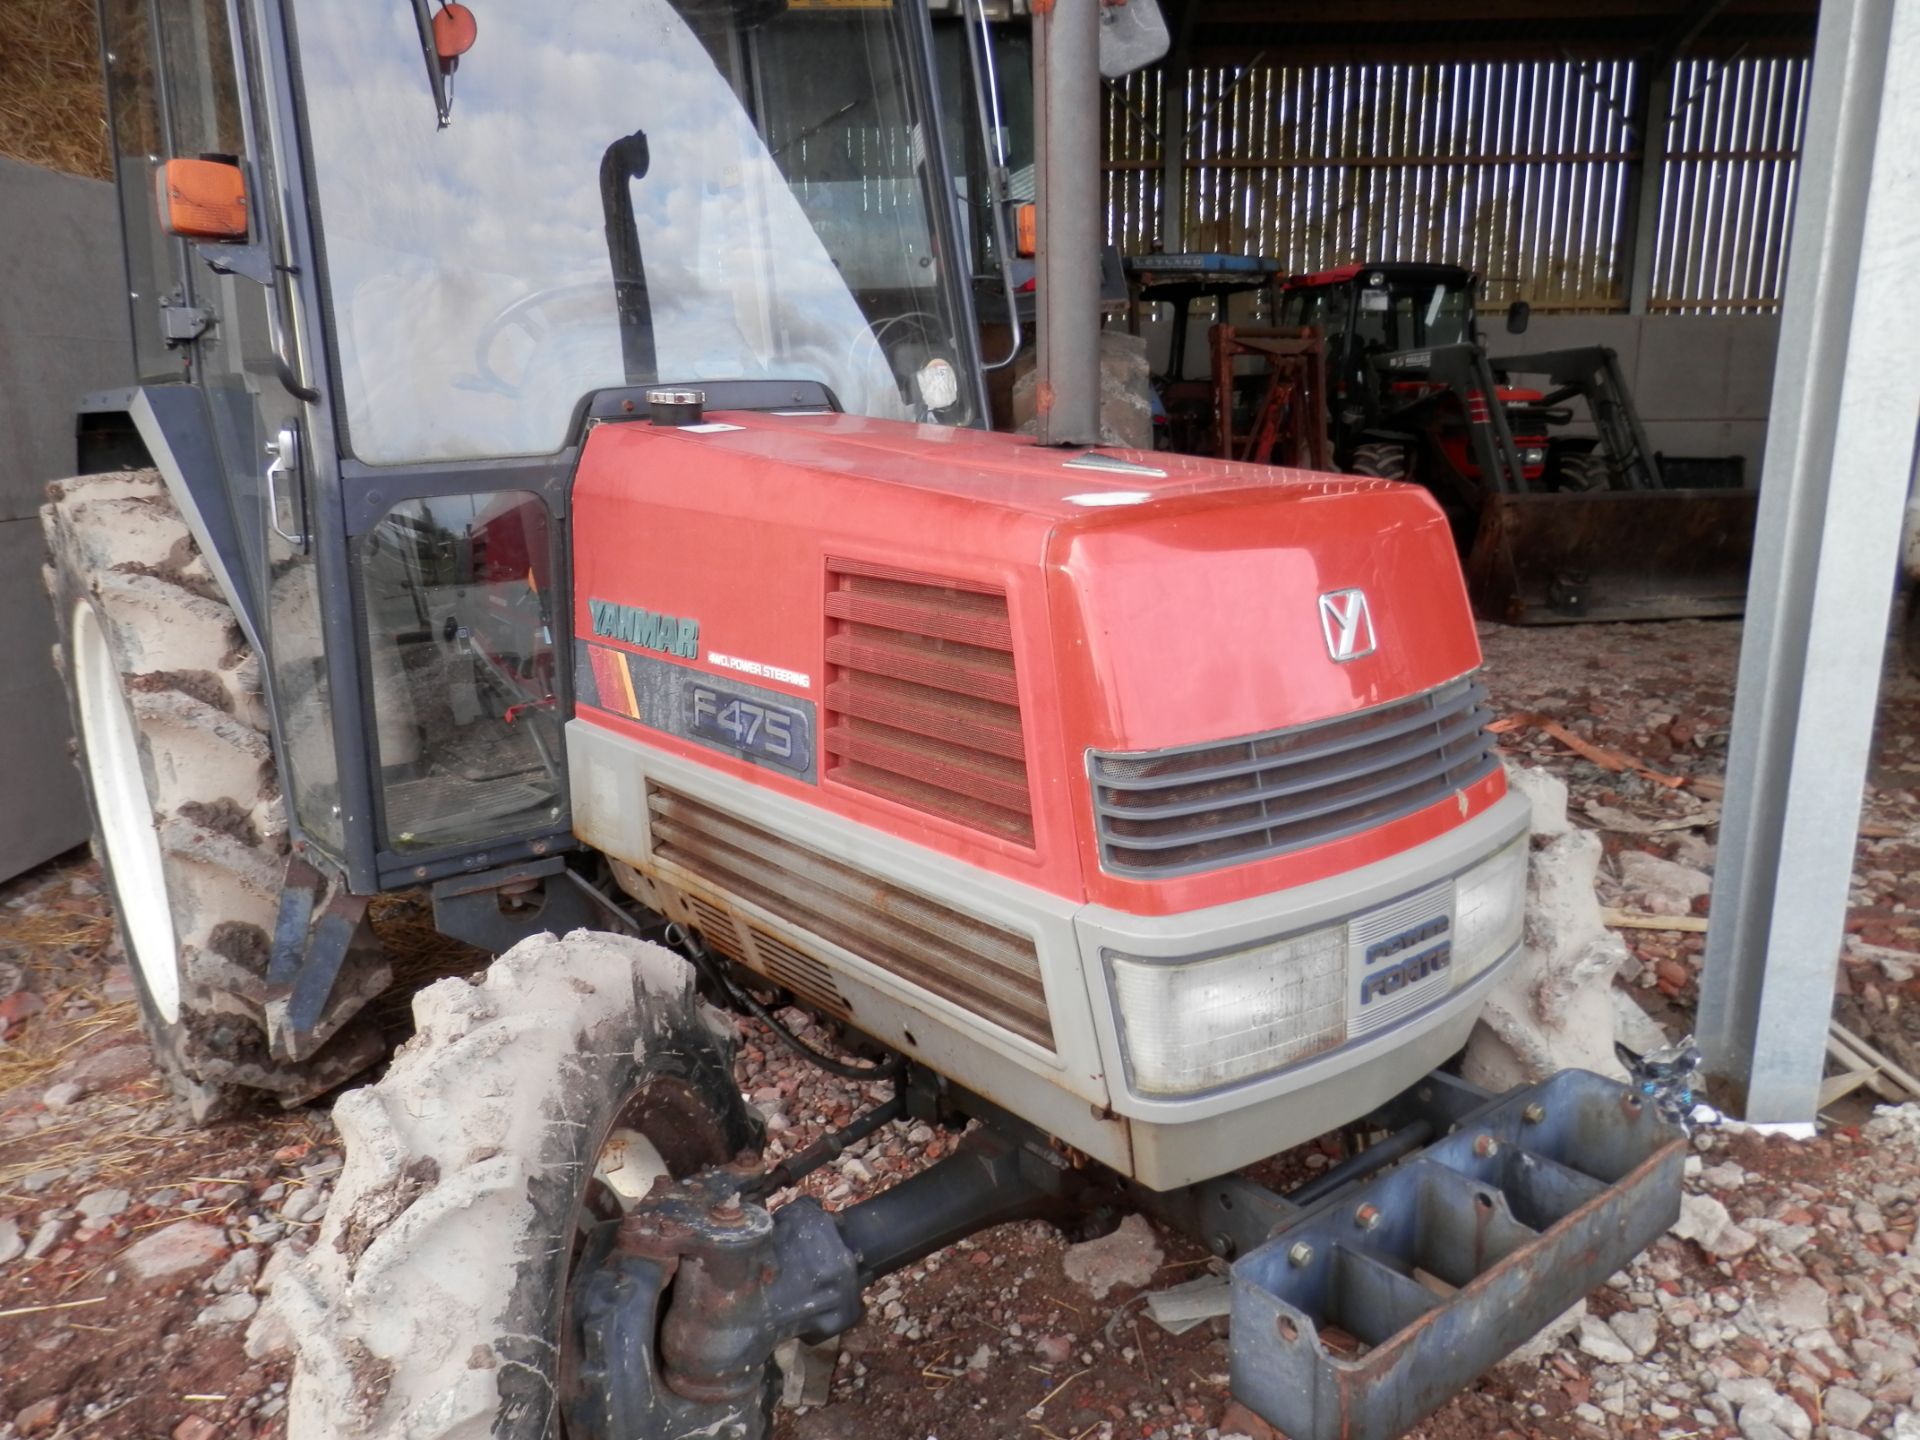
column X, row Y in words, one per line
column 957, row 720
column 1206, row 806
column 985, row 675
column 1445, row 701
column 980, row 966
column 1429, row 771
column 1467, row 727
column 683, row 823
column 922, row 706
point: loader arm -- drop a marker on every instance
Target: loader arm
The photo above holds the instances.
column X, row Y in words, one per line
column 1464, row 370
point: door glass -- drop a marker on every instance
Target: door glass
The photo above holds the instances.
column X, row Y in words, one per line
column 133, row 94
column 303, row 703
column 203, row 99
column 455, row 591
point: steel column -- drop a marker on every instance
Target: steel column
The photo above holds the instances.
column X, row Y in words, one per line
column 1066, row 98
column 1840, row 451
column 1645, row 178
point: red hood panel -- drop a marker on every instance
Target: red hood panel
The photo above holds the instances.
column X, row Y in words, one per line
column 1202, row 619
column 1146, row 610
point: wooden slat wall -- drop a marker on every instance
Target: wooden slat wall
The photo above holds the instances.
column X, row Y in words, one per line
column 1726, row 191
column 1519, row 170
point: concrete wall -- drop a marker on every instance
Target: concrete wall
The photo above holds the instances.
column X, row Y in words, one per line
column 1702, row 382
column 63, row 332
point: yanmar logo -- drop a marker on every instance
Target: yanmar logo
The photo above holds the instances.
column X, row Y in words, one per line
column 669, row 634
column 1347, row 624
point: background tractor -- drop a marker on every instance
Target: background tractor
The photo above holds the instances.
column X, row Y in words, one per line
column 556, row 484
column 1562, row 509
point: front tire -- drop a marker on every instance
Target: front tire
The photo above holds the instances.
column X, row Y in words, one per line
column 1380, row 461
column 185, row 800
column 434, row 1300
column 1584, row 474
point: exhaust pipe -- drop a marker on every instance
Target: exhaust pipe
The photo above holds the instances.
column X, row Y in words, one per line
column 1066, row 97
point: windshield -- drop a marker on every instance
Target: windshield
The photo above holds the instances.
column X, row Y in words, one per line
column 766, row 208
column 1413, row 315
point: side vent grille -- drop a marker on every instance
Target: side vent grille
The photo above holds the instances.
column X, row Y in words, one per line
column 801, row 974
column 980, row 967
column 717, row 929
column 922, row 704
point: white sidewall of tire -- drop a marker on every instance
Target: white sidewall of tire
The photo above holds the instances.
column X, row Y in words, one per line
column 127, row 828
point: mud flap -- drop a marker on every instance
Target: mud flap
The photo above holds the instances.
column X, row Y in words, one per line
column 1615, row 555
column 1375, row 1306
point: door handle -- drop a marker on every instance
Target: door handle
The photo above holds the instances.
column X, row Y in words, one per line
column 284, row 449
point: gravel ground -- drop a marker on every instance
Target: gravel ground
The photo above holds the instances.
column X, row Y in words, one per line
column 1784, row 1305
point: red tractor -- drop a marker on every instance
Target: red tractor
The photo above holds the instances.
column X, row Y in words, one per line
column 1561, row 507
column 560, row 489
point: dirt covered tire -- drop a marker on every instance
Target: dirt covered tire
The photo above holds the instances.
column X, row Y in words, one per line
column 1380, row 461
column 185, row 802
column 432, row 1302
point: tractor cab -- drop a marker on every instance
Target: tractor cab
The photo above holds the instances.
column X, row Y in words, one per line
column 404, row 258
column 1380, row 325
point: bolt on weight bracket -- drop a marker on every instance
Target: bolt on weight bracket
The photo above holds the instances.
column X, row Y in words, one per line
column 1376, row 1303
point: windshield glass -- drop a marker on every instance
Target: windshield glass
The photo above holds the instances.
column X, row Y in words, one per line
column 1412, row 315
column 752, row 171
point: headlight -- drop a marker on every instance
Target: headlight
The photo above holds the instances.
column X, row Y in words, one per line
column 1489, row 910
column 1533, row 455
column 1193, row 1025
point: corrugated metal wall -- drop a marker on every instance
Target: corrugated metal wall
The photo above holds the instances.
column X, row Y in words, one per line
column 1520, row 170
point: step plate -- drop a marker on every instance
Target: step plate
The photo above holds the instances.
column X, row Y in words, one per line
column 1374, row 1307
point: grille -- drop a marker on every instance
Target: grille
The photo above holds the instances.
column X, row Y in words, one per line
column 1203, row 806
column 922, row 705
column 983, row 968
column 801, row 974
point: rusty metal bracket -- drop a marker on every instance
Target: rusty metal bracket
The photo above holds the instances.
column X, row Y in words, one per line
column 325, row 966
column 497, row 909
column 1289, row 419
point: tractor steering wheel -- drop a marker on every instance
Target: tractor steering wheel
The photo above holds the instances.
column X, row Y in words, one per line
column 523, row 315
column 929, row 324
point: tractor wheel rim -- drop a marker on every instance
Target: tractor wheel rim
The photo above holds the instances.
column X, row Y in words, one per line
column 127, row 829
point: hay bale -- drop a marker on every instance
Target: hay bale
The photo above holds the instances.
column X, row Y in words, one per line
column 52, row 108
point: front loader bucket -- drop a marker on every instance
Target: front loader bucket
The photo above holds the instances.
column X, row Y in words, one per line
column 1549, row 559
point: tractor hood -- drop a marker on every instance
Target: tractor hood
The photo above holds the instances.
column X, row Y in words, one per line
column 956, row 619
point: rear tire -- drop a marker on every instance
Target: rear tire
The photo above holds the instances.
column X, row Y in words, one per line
column 185, row 801
column 432, row 1305
column 1381, row 461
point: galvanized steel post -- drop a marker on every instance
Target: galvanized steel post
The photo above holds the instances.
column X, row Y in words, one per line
column 1066, row 86
column 1840, row 454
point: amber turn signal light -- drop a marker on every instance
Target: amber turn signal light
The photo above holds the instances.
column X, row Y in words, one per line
column 1026, row 240
column 202, row 199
